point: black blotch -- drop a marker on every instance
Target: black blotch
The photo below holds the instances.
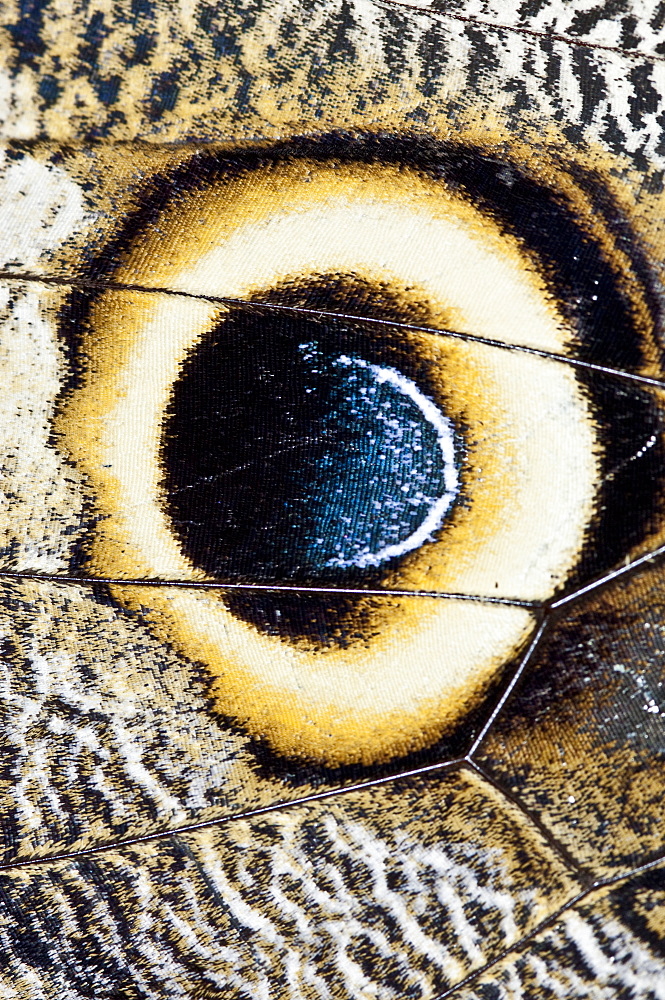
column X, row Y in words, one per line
column 592, row 84
column 489, row 991
column 658, row 19
column 484, row 57
column 584, row 21
column 163, row 94
column 107, row 90
column 392, row 41
column 26, row 32
column 241, row 98
column 341, row 47
column 93, row 37
column 629, row 37
column 225, row 44
column 643, row 97
column 49, row 90
column 142, row 9
column 433, row 57
column 144, row 44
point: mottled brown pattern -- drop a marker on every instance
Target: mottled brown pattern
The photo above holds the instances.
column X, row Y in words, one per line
column 607, row 946
column 400, row 890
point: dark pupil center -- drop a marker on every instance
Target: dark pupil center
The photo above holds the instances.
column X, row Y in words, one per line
column 290, row 458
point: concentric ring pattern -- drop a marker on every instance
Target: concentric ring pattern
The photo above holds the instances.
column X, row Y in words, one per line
column 325, row 398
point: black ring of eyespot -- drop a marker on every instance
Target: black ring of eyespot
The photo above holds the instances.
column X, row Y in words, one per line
column 583, row 281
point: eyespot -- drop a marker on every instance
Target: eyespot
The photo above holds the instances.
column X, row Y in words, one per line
column 266, row 401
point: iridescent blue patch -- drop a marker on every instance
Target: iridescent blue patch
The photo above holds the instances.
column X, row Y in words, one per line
column 388, row 475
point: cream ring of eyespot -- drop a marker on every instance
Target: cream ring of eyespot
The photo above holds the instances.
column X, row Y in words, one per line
column 536, row 463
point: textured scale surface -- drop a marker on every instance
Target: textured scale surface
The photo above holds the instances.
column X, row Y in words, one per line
column 332, row 500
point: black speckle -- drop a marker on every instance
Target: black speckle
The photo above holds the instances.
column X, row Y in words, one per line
column 164, row 94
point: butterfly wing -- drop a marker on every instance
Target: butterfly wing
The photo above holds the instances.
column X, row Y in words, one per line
column 333, row 466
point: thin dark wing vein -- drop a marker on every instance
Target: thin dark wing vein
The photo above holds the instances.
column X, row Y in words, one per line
column 444, row 15
column 549, row 922
column 585, row 877
column 542, row 926
column 224, row 300
column 91, row 581
column 615, row 574
column 552, row 605
column 505, row 696
column 329, row 793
